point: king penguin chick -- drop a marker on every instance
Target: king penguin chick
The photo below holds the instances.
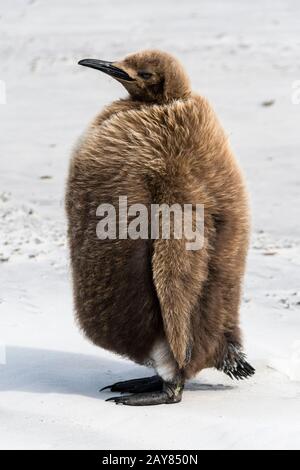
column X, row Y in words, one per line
column 152, row 300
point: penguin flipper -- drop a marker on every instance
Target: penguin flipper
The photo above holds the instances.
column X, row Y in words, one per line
column 178, row 275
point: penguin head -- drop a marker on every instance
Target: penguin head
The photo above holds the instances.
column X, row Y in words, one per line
column 151, row 76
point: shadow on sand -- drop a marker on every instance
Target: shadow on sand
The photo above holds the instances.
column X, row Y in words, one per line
column 47, row 371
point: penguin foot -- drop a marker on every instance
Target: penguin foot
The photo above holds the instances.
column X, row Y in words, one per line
column 146, row 384
column 235, row 365
column 171, row 393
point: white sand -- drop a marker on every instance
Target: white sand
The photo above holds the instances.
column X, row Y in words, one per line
column 239, row 54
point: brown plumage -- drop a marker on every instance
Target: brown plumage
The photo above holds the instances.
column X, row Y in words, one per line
column 152, row 300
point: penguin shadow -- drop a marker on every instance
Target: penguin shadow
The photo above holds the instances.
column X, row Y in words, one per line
column 47, row 371
column 204, row 387
column 50, row 371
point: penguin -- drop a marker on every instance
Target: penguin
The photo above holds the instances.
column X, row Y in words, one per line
column 151, row 299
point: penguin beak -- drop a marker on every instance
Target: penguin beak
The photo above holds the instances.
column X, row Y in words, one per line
column 106, row 67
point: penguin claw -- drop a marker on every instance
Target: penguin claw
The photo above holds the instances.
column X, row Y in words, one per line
column 105, row 388
column 146, row 384
column 146, row 399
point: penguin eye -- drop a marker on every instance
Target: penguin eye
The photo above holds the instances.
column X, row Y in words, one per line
column 145, row 75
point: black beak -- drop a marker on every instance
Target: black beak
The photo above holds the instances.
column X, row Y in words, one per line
column 106, row 67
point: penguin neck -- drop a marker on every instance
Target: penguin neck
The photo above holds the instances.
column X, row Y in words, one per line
column 137, row 102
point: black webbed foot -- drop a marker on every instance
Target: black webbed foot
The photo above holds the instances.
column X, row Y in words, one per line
column 170, row 393
column 146, row 384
